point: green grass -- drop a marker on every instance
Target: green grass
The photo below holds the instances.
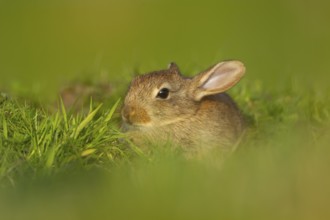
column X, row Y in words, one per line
column 73, row 163
column 36, row 141
column 78, row 165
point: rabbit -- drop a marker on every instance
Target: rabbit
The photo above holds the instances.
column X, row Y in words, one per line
column 193, row 113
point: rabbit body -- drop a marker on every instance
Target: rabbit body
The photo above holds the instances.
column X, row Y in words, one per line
column 194, row 113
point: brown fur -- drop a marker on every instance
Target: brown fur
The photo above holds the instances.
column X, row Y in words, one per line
column 212, row 121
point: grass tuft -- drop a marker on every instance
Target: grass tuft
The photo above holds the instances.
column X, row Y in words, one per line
column 82, row 159
column 34, row 139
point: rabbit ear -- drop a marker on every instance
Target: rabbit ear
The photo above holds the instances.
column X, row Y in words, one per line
column 218, row 78
column 173, row 67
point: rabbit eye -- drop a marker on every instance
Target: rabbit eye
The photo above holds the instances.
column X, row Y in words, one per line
column 163, row 93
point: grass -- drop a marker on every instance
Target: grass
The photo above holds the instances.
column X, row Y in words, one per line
column 73, row 163
column 78, row 165
column 34, row 140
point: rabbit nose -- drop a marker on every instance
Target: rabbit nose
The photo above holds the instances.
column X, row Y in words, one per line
column 127, row 113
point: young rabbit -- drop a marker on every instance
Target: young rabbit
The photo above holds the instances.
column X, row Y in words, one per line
column 193, row 113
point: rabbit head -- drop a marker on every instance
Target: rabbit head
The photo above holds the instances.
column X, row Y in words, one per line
column 166, row 97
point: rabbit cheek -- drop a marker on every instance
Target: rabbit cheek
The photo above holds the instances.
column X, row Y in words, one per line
column 141, row 117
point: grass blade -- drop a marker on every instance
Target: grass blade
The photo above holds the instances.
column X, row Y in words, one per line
column 5, row 128
column 50, row 157
column 88, row 152
column 112, row 110
column 65, row 117
column 84, row 123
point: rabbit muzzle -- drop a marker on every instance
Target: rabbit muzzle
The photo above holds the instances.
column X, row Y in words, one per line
column 134, row 115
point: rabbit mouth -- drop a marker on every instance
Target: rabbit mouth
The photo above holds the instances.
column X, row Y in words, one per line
column 126, row 126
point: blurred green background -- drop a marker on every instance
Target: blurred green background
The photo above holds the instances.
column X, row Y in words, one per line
column 46, row 43
column 282, row 172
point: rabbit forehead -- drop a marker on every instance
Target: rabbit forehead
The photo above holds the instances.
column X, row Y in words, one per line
column 156, row 79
